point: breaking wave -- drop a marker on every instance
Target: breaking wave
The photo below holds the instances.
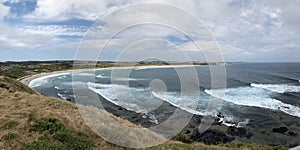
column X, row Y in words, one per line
column 255, row 97
column 43, row 80
column 278, row 88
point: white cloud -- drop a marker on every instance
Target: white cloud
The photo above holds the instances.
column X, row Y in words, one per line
column 247, row 31
column 14, row 38
column 55, row 30
column 3, row 10
column 58, row 10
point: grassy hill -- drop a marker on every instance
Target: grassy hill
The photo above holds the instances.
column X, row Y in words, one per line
column 29, row 120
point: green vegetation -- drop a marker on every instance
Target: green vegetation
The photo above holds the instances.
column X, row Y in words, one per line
column 179, row 146
column 229, row 146
column 10, row 136
column 252, row 146
column 57, row 136
column 51, row 125
column 13, row 85
column 17, row 70
column 10, row 124
column 74, row 140
column 182, row 138
column 20, row 69
column 41, row 144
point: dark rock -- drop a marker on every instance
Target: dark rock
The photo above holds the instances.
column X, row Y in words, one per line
column 291, row 133
column 218, row 120
column 211, row 136
column 4, row 86
column 187, row 132
column 280, row 129
column 196, row 119
column 284, row 130
column 241, row 132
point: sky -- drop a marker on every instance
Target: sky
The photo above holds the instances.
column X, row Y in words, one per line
column 131, row 30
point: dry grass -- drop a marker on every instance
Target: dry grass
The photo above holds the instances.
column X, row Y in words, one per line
column 13, row 85
column 21, row 107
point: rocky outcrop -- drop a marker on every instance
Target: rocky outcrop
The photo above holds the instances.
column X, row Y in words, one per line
column 284, row 130
column 211, row 136
column 241, row 132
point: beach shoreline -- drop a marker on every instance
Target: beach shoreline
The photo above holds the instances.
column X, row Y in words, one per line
column 27, row 79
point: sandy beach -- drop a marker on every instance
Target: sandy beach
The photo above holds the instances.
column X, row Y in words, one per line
column 26, row 79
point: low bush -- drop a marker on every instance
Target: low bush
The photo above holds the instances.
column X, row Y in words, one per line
column 50, row 124
column 73, row 140
column 181, row 137
column 55, row 132
column 9, row 124
column 10, row 136
column 42, row 144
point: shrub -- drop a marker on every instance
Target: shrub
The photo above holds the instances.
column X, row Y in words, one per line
column 182, row 137
column 10, row 136
column 55, row 132
column 51, row 125
column 252, row 146
column 9, row 124
column 73, row 140
column 42, row 144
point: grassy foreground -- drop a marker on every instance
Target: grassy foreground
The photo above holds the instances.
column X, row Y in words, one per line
column 31, row 121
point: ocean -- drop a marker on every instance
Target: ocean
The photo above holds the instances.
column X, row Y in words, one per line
column 259, row 96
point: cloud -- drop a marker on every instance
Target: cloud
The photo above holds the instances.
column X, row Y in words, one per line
column 3, row 10
column 13, row 38
column 289, row 12
column 57, row 10
column 55, row 30
column 245, row 29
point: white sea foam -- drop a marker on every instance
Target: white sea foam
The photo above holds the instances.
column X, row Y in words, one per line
column 152, row 118
column 62, row 77
column 255, row 97
column 118, row 95
column 127, row 79
column 62, row 96
column 83, row 74
column 119, row 78
column 43, row 80
column 174, row 98
column 163, row 67
column 230, row 120
column 101, row 76
column 278, row 88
